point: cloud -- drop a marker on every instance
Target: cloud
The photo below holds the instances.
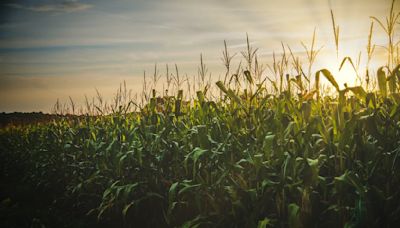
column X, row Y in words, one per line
column 66, row 6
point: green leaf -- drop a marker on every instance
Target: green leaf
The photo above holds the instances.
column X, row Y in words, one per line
column 294, row 215
column 328, row 76
column 228, row 92
column 267, row 144
column 312, row 162
column 200, row 96
column 126, row 208
column 172, row 192
column 222, row 87
column 187, row 188
column 393, row 78
column 197, row 153
column 263, row 223
column 382, row 81
column 358, row 91
column 342, row 178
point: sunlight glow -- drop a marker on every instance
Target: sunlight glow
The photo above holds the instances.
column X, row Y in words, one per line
column 48, row 50
column 346, row 74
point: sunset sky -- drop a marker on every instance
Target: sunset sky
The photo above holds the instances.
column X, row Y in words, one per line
column 55, row 49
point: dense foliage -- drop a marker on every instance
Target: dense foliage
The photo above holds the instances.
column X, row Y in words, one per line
column 262, row 153
column 237, row 162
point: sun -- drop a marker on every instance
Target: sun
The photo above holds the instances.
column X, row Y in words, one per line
column 345, row 70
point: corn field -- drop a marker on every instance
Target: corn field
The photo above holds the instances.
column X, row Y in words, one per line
column 246, row 151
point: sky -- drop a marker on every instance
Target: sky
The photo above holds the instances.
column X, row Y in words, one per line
column 54, row 49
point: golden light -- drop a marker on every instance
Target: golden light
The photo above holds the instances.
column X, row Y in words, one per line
column 346, row 68
column 346, row 74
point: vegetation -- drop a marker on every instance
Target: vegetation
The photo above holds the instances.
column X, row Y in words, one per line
column 260, row 153
column 21, row 118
